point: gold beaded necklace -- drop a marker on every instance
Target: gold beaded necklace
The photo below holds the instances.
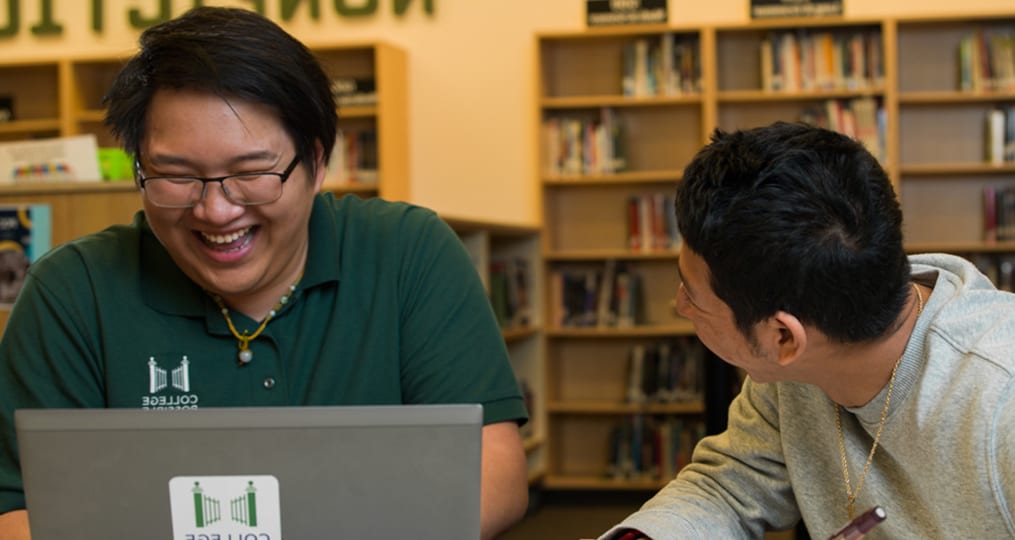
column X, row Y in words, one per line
column 245, row 355
column 851, row 495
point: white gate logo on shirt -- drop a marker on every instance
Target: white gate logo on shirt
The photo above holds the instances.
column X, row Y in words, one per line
column 158, row 377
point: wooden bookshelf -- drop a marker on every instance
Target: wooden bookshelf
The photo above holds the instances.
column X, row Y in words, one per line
column 585, row 215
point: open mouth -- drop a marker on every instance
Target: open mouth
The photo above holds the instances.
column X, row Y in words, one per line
column 227, row 242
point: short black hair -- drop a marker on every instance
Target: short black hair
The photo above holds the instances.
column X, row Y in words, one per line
column 230, row 52
column 801, row 219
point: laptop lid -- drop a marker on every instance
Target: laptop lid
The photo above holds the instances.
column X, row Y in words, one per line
column 389, row 471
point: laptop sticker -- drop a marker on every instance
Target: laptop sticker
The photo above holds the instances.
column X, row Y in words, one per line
column 225, row 507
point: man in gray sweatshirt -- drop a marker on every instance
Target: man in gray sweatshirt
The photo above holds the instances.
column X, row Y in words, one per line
column 874, row 379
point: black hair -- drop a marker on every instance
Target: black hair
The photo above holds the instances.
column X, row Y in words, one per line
column 801, row 219
column 230, row 52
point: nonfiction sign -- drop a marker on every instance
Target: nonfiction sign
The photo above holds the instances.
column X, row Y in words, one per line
column 613, row 12
column 768, row 9
column 42, row 19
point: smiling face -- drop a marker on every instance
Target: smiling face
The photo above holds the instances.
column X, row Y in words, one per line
column 714, row 322
column 248, row 255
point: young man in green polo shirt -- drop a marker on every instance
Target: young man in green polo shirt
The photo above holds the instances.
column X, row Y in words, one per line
column 240, row 284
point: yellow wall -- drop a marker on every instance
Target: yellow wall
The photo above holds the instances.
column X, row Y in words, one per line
column 471, row 65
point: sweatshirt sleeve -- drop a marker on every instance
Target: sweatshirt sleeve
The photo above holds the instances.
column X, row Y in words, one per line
column 736, row 485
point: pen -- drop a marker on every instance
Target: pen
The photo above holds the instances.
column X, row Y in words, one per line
column 857, row 528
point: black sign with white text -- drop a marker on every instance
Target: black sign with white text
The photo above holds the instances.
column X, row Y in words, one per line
column 769, row 9
column 617, row 12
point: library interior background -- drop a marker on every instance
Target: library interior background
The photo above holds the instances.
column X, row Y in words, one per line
column 553, row 149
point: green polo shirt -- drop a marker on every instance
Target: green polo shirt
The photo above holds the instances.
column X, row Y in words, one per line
column 389, row 310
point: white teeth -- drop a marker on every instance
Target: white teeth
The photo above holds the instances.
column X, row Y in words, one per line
column 225, row 238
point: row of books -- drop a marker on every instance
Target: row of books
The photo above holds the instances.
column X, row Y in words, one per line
column 667, row 66
column 671, row 371
column 510, row 290
column 998, row 213
column 649, row 448
column 1000, row 135
column 599, row 298
column 584, row 145
column 652, row 222
column 987, row 61
column 354, row 158
column 354, row 91
column 800, row 60
column 861, row 118
column 999, row 268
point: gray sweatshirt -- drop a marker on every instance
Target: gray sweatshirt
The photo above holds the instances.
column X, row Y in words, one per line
column 945, row 465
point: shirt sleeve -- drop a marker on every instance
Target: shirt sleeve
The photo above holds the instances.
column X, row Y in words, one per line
column 736, row 485
column 452, row 348
column 47, row 359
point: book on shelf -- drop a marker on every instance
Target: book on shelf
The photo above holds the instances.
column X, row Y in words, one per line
column 354, row 157
column 999, row 137
column 6, row 109
column 665, row 65
column 354, row 91
column 987, row 60
column 644, row 447
column 999, row 213
column 652, row 222
column 796, row 60
column 597, row 298
column 510, row 291
column 24, row 237
column 670, row 371
column 58, row 159
column 998, row 268
column 588, row 144
column 861, row 118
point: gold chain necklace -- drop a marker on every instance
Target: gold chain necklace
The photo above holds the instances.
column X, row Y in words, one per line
column 243, row 340
column 850, row 494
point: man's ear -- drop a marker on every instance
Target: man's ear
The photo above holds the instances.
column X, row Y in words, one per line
column 787, row 337
column 320, row 166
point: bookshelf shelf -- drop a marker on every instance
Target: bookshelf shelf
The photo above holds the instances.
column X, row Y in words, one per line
column 918, row 170
column 939, row 97
column 620, row 254
column 584, row 102
column 28, row 127
column 600, row 483
column 767, row 96
column 961, row 247
column 678, row 328
column 612, row 408
column 512, row 335
column 667, row 176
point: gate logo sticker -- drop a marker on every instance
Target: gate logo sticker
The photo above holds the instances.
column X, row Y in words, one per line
column 225, row 507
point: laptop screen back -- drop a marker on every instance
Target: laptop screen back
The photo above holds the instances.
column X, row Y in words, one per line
column 253, row 473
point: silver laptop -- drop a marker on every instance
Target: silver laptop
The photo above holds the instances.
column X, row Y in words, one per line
column 398, row 471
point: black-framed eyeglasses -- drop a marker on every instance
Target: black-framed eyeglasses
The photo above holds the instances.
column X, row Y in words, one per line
column 246, row 189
